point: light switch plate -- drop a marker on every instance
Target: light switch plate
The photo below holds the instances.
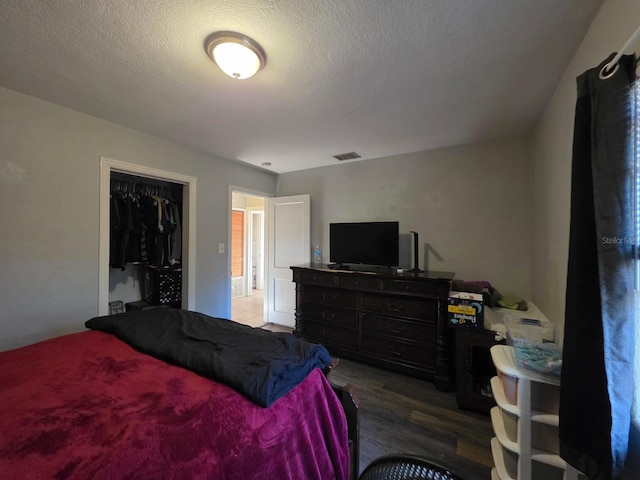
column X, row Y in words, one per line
column 221, row 248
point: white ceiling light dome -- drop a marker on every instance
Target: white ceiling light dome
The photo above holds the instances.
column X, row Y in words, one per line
column 237, row 55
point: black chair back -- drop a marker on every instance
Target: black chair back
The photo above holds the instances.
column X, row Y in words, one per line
column 406, row 467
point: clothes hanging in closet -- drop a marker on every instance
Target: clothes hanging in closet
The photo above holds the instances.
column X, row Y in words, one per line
column 145, row 226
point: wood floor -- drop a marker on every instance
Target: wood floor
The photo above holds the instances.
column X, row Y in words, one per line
column 403, row 414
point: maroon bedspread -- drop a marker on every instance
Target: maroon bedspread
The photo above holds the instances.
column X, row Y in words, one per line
column 88, row 406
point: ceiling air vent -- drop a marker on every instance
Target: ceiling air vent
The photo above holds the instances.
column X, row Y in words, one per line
column 346, row 156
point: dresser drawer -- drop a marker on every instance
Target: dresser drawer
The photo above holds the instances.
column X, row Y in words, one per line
column 386, row 326
column 318, row 278
column 420, row 355
column 404, row 286
column 330, row 335
column 332, row 316
column 359, row 282
column 329, row 296
column 418, row 309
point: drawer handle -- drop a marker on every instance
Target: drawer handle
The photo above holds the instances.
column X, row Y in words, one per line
column 325, row 316
column 329, row 334
column 407, row 288
column 314, row 278
column 393, row 329
column 397, row 353
column 328, row 298
column 395, row 307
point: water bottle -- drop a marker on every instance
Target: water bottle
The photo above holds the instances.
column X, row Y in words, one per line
column 317, row 256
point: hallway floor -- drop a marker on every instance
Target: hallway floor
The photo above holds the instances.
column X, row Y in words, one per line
column 250, row 311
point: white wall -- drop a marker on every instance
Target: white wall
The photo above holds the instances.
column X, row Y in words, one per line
column 550, row 152
column 470, row 204
column 49, row 197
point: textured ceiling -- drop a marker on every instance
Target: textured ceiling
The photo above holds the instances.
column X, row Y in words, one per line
column 379, row 77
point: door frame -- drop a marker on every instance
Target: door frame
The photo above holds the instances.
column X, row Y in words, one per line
column 108, row 165
column 255, row 214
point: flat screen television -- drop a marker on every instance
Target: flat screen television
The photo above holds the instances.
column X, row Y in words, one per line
column 364, row 243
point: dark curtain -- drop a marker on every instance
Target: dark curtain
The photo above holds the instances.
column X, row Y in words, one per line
column 597, row 372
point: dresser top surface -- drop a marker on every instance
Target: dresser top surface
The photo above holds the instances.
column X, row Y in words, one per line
column 381, row 272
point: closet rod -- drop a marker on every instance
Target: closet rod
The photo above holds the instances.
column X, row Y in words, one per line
column 122, row 176
column 614, row 62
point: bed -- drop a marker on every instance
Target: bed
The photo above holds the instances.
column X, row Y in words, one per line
column 99, row 405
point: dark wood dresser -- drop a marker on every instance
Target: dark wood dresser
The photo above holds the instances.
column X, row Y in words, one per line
column 392, row 320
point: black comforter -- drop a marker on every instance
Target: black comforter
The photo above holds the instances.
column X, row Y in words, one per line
column 260, row 364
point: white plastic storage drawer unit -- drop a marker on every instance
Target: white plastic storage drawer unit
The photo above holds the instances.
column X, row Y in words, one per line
column 525, row 424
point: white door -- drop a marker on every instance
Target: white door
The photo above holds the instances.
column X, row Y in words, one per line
column 289, row 243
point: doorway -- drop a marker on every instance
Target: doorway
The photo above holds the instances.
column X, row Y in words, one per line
column 107, row 166
column 247, row 259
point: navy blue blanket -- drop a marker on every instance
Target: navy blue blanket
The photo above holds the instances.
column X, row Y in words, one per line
column 260, row 364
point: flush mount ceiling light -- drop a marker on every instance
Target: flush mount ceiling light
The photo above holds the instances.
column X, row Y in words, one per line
column 236, row 54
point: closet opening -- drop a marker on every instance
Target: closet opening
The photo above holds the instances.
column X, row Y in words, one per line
column 127, row 285
column 145, row 243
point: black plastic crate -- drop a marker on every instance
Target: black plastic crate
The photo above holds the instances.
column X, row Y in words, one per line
column 141, row 305
column 163, row 286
